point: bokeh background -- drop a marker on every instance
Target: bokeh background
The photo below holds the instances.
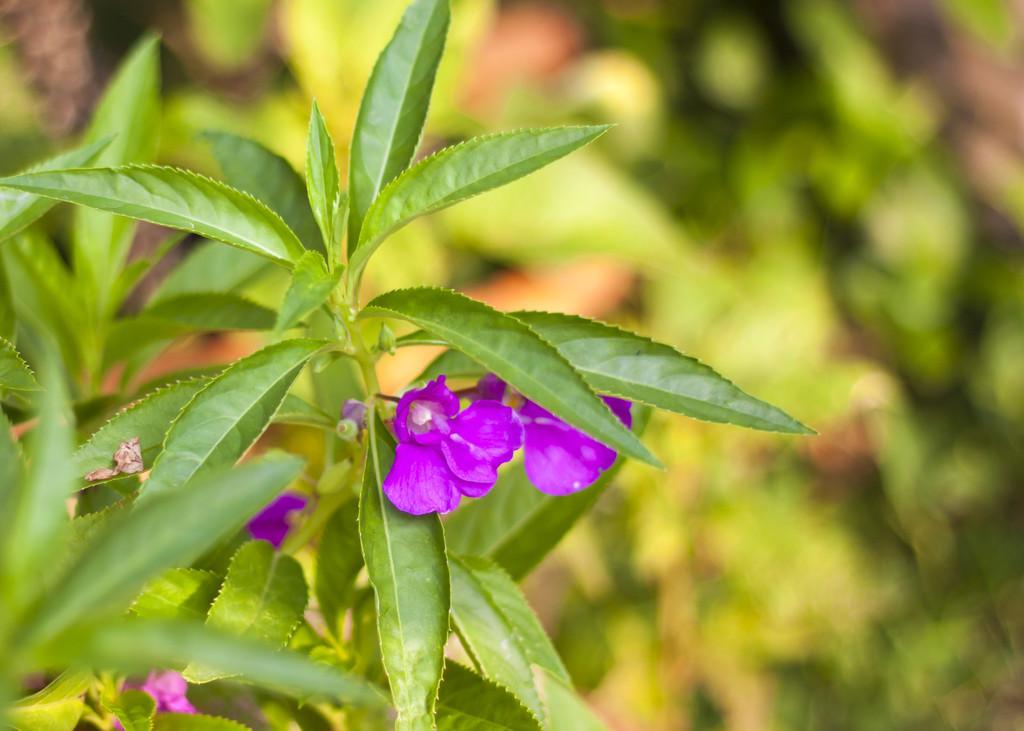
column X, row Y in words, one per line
column 823, row 200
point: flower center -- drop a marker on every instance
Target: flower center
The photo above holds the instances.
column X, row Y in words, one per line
column 426, row 416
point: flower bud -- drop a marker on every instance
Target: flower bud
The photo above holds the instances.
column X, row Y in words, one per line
column 386, row 340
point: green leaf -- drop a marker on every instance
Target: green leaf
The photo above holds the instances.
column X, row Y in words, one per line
column 322, row 185
column 8, row 319
column 311, row 285
column 394, row 105
column 405, row 561
column 129, row 111
column 500, row 631
column 136, row 646
column 470, row 703
column 177, row 594
column 145, row 334
column 620, row 363
column 516, row 525
column 18, row 210
column 460, row 172
column 15, row 375
column 194, row 722
column 295, row 410
column 338, row 563
column 133, row 547
column 171, row 197
column 564, row 708
column 137, row 269
column 44, row 294
column 212, row 267
column 517, row 354
column 135, row 710
column 57, row 707
column 263, row 598
column 252, row 168
column 38, row 517
column 146, row 419
column 228, row 415
column 12, row 466
column 453, row 364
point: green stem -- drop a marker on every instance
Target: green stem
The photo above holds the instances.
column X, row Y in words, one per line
column 325, row 507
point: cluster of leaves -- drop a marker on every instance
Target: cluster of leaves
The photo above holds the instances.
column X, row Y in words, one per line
column 157, row 573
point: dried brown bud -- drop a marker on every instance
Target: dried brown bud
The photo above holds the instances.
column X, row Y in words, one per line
column 127, row 461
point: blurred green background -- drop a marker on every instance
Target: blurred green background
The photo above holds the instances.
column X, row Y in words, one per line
column 822, row 200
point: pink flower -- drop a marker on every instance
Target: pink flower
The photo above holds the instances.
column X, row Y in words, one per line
column 167, row 689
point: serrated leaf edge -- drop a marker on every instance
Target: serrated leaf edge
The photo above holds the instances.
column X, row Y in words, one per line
column 6, row 344
column 699, row 363
column 653, row 461
column 220, row 593
column 220, row 184
column 495, row 684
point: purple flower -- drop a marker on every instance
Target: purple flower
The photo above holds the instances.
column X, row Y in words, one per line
column 167, row 689
column 272, row 523
column 444, row 455
column 355, row 411
column 559, row 459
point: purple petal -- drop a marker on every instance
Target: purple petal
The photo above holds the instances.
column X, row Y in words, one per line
column 420, row 482
column 271, row 523
column 169, row 691
column 560, row 459
column 482, row 437
column 355, row 411
column 490, row 388
column 621, row 408
column 422, row 415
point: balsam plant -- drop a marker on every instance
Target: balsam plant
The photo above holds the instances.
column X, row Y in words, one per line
column 155, row 586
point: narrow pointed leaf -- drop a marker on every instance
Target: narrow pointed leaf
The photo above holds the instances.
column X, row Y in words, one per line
column 516, row 353
column 295, row 410
column 57, row 707
column 311, row 285
column 135, row 710
column 228, row 415
column 499, row 629
column 252, row 168
column 394, row 106
column 338, row 563
column 146, row 420
column 263, row 598
column 129, row 113
column 38, row 517
column 562, row 706
column 460, row 172
column 177, row 594
column 171, row 197
column 516, row 525
column 620, row 363
column 134, row 546
column 15, row 375
column 323, row 183
column 8, row 319
column 11, row 467
column 136, row 646
column 18, row 210
column 405, row 560
column 212, row 267
column 469, row 702
column 176, row 317
column 194, row 722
